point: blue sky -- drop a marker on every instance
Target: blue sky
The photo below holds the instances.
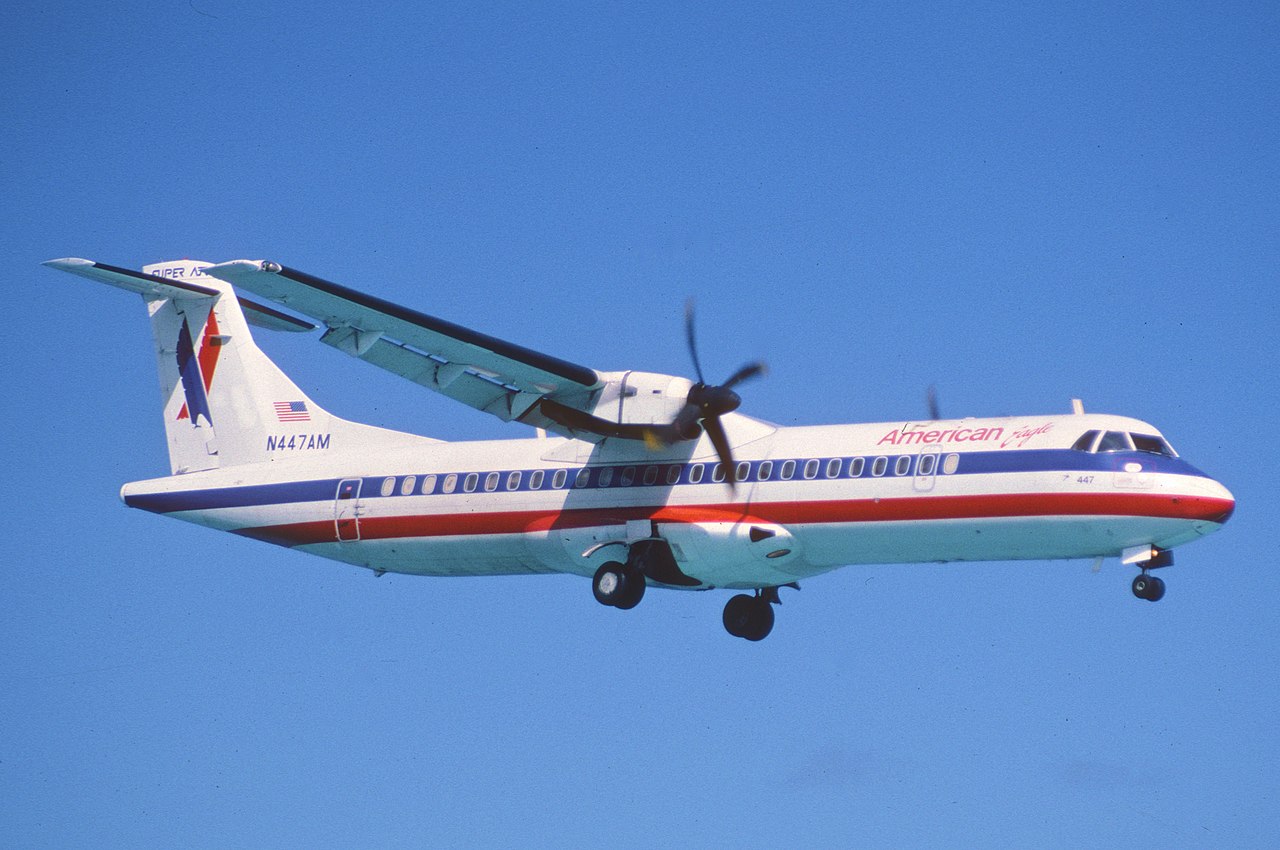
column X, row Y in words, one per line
column 1020, row 205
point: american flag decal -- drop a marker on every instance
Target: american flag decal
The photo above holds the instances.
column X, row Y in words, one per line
column 292, row 411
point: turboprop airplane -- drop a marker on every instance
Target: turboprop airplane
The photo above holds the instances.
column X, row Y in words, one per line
column 633, row 480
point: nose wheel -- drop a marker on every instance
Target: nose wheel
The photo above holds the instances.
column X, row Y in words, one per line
column 1148, row 587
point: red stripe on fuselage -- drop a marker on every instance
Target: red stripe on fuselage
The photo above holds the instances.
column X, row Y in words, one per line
column 920, row 508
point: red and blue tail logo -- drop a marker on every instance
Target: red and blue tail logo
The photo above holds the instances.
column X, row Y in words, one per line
column 197, row 371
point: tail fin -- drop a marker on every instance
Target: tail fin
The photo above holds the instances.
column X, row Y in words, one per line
column 225, row 402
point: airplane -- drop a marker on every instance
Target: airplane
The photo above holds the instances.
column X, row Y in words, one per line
column 632, row 479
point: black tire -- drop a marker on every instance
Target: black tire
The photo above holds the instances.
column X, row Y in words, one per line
column 610, row 583
column 761, row 620
column 633, row 586
column 738, row 613
column 1142, row 586
column 1156, row 590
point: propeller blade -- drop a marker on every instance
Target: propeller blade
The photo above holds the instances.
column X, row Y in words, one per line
column 932, row 398
column 685, row 425
column 746, row 373
column 691, row 337
column 719, row 439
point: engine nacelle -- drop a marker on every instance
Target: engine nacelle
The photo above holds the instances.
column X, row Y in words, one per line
column 641, row 398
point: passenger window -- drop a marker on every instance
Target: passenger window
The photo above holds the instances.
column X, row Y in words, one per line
column 606, row 476
column 407, row 485
column 388, row 486
column 833, row 467
column 673, row 474
column 856, row 466
column 717, row 473
column 469, row 483
column 428, row 485
column 765, row 472
column 491, row 482
column 1114, row 441
column 1085, row 443
column 628, row 476
column 513, row 481
column 535, row 479
column 927, row 463
column 951, row 464
column 811, row 468
column 450, row 482
column 695, row 474
column 559, row 478
column 879, row 465
column 583, row 479
column 744, row 471
column 788, row 470
column 650, row 475
column 903, row 464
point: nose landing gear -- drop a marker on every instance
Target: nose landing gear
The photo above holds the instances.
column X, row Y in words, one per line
column 1146, row 586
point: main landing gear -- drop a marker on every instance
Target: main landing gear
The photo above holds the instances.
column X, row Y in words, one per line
column 749, row 617
column 622, row 585
column 618, row 585
column 1149, row 587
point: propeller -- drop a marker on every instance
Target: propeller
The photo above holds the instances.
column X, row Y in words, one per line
column 704, row 405
column 931, row 397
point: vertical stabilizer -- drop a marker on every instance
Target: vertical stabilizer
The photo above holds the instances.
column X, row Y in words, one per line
column 225, row 402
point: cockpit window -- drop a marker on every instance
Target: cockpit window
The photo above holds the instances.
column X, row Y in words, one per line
column 1085, row 443
column 1153, row 444
column 1114, row 441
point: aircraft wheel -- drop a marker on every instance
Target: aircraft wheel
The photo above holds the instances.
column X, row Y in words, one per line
column 737, row 614
column 618, row 585
column 1148, row 587
column 1156, row 591
column 749, row 617
column 633, row 588
column 761, row 621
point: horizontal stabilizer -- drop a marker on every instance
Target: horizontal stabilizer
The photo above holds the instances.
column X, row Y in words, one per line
column 150, row 286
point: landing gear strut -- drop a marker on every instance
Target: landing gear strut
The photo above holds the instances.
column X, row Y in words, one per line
column 1149, row 587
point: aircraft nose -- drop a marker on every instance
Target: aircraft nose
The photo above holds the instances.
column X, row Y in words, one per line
column 1217, row 504
column 1230, row 504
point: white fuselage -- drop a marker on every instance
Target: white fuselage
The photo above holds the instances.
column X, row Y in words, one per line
column 810, row 499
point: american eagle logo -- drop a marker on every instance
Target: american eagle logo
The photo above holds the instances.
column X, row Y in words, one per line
column 196, row 371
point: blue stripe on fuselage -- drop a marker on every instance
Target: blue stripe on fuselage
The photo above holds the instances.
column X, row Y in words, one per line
column 970, row 463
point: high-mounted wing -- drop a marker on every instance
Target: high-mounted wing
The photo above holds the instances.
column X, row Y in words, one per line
column 489, row 374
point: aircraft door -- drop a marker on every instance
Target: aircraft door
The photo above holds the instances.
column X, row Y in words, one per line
column 926, row 471
column 346, row 510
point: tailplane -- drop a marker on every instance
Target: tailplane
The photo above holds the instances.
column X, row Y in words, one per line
column 225, row 402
